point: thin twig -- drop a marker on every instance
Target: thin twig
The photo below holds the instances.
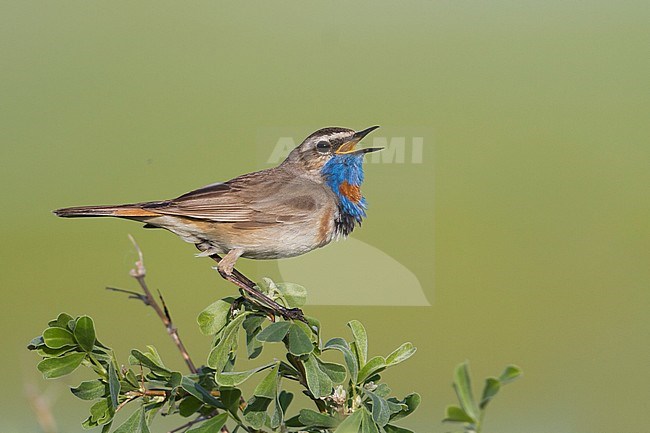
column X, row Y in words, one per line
column 125, row 402
column 131, row 293
column 139, row 273
column 302, row 379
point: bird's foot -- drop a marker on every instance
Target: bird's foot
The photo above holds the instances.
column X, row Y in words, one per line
column 292, row 314
column 227, row 264
column 270, row 312
column 224, row 268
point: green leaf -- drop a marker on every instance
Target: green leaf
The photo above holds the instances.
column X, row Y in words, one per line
column 294, row 294
column 90, row 390
column 335, row 371
column 368, row 425
column 275, row 332
column 100, row 413
column 57, row 367
column 253, row 345
column 154, row 356
column 220, row 355
column 234, row 378
column 380, row 409
column 253, row 326
column 84, row 333
column 318, row 381
column 395, row 408
column 374, row 365
column 213, row 425
column 199, row 392
column 287, row 370
column 36, row 343
column 253, row 322
column 310, row 418
column 230, row 397
column 360, row 341
column 491, row 388
column 285, row 398
column 350, row 360
column 113, row 385
column 215, row 316
column 308, row 329
column 46, row 352
column 132, row 379
column 351, row 424
column 382, row 390
column 88, row 423
column 189, row 405
column 149, row 360
column 294, row 421
column 276, row 416
column 267, row 286
column 457, row 414
column 463, row 388
column 511, row 373
column 174, row 380
column 56, row 338
column 409, row 404
column 61, row 321
column 136, row 423
column 281, row 404
column 402, row 353
column 255, row 411
column 314, row 327
column 298, row 342
column 268, row 387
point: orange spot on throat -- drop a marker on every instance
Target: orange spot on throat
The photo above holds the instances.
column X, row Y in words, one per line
column 351, row 192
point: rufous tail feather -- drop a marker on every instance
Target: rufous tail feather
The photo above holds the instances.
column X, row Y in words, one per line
column 98, row 211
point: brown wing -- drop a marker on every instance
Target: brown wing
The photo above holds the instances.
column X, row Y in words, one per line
column 252, row 200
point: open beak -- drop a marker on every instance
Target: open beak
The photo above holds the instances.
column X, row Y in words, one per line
column 349, row 146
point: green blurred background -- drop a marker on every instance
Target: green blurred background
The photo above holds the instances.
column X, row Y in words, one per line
column 527, row 223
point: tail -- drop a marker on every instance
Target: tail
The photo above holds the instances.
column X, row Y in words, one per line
column 123, row 211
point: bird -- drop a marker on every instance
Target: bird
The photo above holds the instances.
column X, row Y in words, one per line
column 310, row 199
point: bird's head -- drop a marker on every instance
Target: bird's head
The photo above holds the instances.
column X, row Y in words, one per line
column 329, row 144
column 330, row 154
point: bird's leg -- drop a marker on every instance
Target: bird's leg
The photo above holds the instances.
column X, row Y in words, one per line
column 227, row 263
column 248, row 286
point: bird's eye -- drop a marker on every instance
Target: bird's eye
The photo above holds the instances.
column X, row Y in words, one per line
column 323, row 146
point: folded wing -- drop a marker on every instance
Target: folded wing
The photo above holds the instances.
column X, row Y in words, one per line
column 250, row 201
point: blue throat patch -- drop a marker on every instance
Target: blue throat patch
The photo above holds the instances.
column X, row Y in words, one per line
column 348, row 169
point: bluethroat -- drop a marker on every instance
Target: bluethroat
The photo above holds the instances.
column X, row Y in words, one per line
column 310, row 199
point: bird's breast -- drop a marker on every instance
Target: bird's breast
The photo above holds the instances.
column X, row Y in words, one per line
column 327, row 226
